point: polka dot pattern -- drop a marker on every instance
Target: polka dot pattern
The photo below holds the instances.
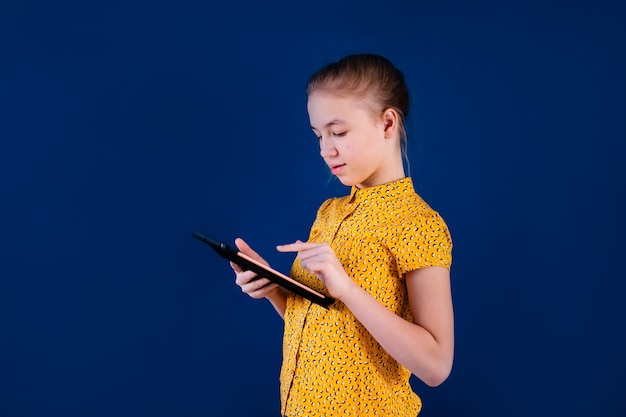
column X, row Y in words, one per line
column 332, row 366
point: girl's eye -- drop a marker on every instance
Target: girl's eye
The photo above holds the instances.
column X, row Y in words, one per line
column 340, row 134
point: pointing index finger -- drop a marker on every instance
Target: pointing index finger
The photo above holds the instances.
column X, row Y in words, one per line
column 295, row 247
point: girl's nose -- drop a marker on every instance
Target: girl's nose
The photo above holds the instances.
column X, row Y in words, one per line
column 327, row 148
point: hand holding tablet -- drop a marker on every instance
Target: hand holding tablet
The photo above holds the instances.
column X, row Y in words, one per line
column 249, row 264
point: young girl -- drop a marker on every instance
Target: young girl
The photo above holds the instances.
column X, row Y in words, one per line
column 381, row 252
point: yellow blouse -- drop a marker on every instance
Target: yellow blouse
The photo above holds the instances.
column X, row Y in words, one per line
column 332, row 366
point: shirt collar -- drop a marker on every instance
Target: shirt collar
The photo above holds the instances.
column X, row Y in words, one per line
column 383, row 191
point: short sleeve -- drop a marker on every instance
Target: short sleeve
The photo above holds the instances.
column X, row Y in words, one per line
column 423, row 242
column 320, row 220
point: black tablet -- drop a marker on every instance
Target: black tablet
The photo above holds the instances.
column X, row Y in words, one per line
column 249, row 264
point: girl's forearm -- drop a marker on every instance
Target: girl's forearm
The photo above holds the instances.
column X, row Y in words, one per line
column 411, row 345
column 278, row 299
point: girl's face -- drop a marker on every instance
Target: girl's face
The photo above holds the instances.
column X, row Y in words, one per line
column 353, row 142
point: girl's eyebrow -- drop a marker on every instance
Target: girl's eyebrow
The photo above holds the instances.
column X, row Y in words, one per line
column 332, row 122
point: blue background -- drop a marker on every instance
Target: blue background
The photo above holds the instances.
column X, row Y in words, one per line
column 126, row 125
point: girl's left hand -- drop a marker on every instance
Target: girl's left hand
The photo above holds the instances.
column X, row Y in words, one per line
column 319, row 259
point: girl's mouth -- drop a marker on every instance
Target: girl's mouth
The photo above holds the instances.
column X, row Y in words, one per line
column 337, row 169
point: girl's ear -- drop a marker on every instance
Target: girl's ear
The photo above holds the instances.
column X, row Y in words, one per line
column 390, row 123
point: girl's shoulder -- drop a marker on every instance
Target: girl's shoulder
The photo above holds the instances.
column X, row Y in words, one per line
column 334, row 203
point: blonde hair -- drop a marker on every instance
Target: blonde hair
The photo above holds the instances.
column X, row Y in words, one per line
column 370, row 77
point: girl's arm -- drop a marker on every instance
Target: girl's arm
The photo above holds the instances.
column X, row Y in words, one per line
column 424, row 346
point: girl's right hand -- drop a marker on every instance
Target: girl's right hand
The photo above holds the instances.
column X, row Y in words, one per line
column 248, row 281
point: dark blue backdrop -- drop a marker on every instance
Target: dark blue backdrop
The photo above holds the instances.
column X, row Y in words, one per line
column 125, row 125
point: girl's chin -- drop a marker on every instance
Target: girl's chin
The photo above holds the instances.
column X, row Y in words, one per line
column 346, row 181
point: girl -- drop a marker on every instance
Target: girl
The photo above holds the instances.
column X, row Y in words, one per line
column 381, row 252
